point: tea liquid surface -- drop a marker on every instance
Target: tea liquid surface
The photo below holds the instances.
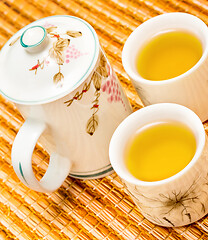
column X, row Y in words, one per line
column 168, row 55
column 159, row 151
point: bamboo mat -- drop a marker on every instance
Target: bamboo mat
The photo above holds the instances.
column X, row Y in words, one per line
column 93, row 209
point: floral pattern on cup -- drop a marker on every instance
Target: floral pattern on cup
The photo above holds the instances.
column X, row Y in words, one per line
column 165, row 209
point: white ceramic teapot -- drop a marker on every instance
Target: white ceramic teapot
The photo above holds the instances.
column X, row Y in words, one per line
column 62, row 83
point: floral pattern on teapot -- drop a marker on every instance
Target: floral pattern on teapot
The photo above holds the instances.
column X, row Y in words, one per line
column 57, row 51
column 104, row 80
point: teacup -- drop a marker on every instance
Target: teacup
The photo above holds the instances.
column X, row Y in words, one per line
column 190, row 88
column 180, row 199
column 61, row 81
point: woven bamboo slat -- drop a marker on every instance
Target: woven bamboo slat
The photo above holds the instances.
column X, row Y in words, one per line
column 93, row 209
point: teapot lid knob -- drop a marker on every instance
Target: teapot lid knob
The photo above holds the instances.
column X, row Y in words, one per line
column 34, row 39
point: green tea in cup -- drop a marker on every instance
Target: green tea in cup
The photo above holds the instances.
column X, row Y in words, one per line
column 172, row 47
column 159, row 150
column 168, row 55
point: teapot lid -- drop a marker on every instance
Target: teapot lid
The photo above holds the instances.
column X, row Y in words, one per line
column 47, row 59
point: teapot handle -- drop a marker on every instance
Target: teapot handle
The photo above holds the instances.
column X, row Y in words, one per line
column 22, row 151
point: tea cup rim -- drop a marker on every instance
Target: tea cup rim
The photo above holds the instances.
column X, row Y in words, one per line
column 123, row 132
column 163, row 17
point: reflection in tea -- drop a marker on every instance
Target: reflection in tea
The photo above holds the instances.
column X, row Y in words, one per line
column 159, row 150
column 168, row 55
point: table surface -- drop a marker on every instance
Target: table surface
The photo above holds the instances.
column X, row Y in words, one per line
column 93, row 209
